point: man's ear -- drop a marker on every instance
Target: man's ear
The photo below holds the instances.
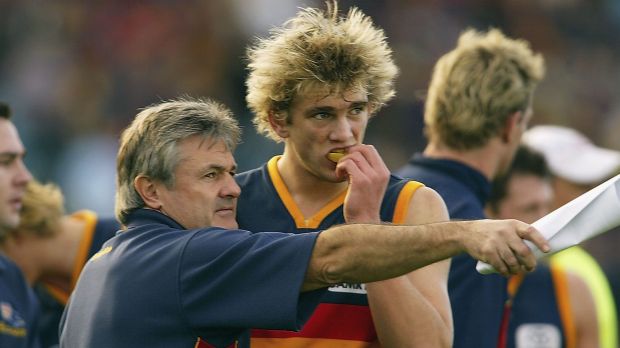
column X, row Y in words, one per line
column 278, row 124
column 512, row 127
column 147, row 189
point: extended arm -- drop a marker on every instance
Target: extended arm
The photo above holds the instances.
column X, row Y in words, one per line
column 363, row 253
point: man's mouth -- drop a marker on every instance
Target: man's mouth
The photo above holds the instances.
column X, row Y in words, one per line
column 336, row 154
column 16, row 203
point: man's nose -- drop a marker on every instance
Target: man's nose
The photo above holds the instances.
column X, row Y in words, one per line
column 342, row 129
column 231, row 189
column 23, row 174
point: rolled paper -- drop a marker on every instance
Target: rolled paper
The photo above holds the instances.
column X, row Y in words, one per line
column 594, row 212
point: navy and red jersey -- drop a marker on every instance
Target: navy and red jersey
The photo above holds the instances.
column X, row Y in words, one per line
column 343, row 318
column 477, row 300
column 158, row 285
column 541, row 314
column 18, row 308
column 54, row 298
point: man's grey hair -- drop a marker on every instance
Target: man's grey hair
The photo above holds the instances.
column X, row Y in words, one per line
column 148, row 146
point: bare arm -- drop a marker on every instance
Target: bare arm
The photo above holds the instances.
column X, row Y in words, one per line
column 414, row 310
column 363, row 253
column 583, row 311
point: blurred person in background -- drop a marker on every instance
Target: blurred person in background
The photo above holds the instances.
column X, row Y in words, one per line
column 551, row 304
column 51, row 249
column 577, row 165
column 478, row 105
column 314, row 85
column 18, row 304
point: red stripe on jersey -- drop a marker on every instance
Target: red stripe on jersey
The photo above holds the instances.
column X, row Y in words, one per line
column 334, row 321
column 200, row 343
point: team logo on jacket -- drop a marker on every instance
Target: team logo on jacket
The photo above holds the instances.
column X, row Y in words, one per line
column 538, row 336
column 11, row 323
column 349, row 288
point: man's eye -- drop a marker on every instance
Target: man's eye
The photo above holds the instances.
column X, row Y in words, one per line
column 211, row 175
column 357, row 111
column 6, row 161
column 321, row 116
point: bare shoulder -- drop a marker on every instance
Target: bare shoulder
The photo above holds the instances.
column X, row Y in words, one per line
column 583, row 310
column 578, row 288
column 425, row 206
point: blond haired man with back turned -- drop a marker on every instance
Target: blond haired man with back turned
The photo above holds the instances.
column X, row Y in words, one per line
column 479, row 104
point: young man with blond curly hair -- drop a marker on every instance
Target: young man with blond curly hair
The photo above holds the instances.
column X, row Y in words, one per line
column 314, row 84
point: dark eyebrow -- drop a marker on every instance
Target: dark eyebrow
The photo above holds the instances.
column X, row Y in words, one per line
column 358, row 104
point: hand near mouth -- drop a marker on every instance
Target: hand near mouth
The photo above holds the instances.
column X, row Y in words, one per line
column 368, row 177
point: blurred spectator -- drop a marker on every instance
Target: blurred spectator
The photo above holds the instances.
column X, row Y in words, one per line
column 577, row 166
column 19, row 308
column 551, row 302
column 51, row 249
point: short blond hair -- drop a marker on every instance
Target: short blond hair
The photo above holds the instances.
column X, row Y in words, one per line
column 477, row 86
column 321, row 50
column 42, row 210
column 149, row 145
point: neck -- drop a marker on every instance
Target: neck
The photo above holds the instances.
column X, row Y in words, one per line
column 487, row 159
column 25, row 252
column 308, row 190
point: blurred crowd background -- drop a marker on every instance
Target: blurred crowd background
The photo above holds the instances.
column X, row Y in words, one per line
column 76, row 72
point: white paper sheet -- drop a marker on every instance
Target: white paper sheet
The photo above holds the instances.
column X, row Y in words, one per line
column 595, row 212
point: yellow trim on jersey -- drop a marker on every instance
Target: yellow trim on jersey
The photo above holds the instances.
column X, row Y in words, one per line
column 560, row 284
column 292, row 207
column 402, row 203
column 514, row 282
column 12, row 331
column 90, row 219
column 577, row 260
column 60, row 295
column 302, row 342
column 101, row 253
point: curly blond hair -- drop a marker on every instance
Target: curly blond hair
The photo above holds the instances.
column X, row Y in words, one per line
column 477, row 86
column 42, row 210
column 321, row 50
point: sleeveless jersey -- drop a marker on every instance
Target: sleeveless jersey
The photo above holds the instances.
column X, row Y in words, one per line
column 541, row 313
column 343, row 318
